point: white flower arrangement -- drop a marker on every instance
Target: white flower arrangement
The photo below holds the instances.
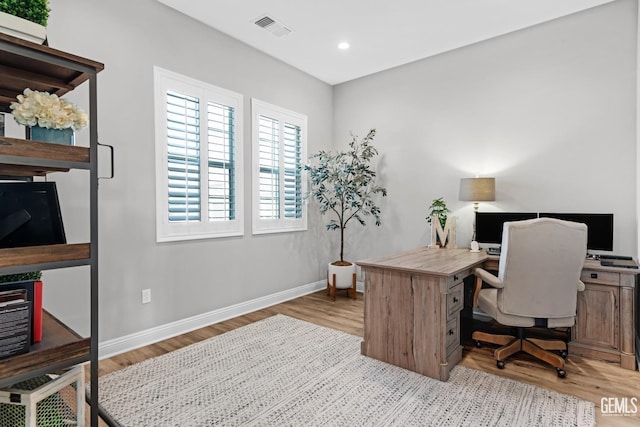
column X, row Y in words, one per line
column 47, row 111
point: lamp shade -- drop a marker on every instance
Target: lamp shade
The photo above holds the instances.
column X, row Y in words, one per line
column 478, row 189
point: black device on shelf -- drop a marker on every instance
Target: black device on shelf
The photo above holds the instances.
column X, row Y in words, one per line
column 599, row 227
column 30, row 214
column 489, row 224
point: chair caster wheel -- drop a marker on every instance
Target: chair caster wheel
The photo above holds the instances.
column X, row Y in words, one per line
column 561, row 373
column 564, row 354
column 478, row 344
column 500, row 364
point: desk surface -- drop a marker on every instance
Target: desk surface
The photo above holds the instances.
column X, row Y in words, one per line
column 439, row 262
column 446, row 262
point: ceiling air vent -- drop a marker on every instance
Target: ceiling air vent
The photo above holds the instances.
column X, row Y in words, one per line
column 273, row 26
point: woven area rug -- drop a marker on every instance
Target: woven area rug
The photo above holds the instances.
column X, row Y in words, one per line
column 287, row 372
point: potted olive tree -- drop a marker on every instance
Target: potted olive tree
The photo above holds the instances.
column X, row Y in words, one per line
column 25, row 19
column 344, row 186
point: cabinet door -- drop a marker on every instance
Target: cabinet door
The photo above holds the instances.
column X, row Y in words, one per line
column 598, row 317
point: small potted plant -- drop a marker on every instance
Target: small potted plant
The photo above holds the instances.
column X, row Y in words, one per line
column 344, row 185
column 49, row 118
column 440, row 210
column 26, row 19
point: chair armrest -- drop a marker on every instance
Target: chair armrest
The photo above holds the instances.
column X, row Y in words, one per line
column 580, row 286
column 487, row 277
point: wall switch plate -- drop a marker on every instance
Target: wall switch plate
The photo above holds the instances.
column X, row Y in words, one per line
column 146, row 296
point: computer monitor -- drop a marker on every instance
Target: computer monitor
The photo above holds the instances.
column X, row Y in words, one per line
column 30, row 215
column 599, row 227
column 489, row 224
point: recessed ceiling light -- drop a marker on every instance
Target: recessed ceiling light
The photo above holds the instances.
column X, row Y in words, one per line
column 343, row 46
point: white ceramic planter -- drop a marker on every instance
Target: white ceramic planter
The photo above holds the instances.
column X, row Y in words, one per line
column 22, row 28
column 344, row 275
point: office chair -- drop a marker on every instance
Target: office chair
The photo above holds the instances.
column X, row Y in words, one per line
column 537, row 285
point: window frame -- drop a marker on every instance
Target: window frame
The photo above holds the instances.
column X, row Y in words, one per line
column 283, row 116
column 168, row 231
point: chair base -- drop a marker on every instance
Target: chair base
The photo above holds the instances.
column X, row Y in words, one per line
column 332, row 289
column 538, row 348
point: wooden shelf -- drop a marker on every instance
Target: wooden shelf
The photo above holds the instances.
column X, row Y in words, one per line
column 20, row 157
column 60, row 346
column 48, row 254
column 28, row 65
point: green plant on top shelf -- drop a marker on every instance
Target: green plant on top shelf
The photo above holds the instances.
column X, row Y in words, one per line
column 32, row 10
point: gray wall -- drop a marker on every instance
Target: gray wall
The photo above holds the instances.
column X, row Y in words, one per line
column 549, row 111
column 186, row 278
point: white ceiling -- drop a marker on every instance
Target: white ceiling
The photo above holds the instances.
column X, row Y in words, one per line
column 382, row 33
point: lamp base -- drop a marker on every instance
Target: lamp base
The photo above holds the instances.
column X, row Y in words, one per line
column 474, row 247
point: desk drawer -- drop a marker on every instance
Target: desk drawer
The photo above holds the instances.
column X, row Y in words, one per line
column 600, row 277
column 457, row 278
column 455, row 300
column 452, row 334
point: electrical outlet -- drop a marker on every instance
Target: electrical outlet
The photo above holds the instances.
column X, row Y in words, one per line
column 146, row 296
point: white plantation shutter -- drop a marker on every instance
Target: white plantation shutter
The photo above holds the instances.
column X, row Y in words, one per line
column 183, row 157
column 279, row 147
column 292, row 162
column 198, row 152
column 221, row 165
column 269, row 174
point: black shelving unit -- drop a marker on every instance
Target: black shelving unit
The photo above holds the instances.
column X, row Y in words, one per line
column 27, row 65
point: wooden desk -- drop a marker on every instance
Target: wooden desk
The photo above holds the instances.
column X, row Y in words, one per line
column 412, row 304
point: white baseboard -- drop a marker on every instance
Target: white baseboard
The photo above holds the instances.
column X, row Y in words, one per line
column 120, row 345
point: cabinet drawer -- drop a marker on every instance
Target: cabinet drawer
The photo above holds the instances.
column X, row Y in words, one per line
column 457, row 278
column 455, row 300
column 600, row 277
column 452, row 335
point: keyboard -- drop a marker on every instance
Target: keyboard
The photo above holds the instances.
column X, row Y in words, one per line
column 493, row 251
column 623, row 257
column 620, row 263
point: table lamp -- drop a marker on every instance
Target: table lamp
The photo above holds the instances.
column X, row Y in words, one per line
column 477, row 190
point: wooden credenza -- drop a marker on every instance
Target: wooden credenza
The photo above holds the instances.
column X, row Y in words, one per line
column 604, row 326
column 412, row 305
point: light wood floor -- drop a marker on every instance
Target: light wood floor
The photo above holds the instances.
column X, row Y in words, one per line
column 587, row 379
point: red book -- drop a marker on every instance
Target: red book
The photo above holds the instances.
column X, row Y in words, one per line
column 36, row 328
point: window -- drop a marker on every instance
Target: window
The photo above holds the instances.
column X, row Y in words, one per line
column 279, row 147
column 199, row 159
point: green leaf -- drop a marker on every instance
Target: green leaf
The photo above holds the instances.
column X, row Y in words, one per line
column 33, row 10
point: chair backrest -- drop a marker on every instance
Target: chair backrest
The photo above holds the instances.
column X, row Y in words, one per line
column 540, row 265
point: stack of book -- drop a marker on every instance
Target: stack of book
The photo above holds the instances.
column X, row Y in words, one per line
column 15, row 322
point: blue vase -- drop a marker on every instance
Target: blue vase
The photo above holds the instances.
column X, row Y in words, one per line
column 57, row 136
